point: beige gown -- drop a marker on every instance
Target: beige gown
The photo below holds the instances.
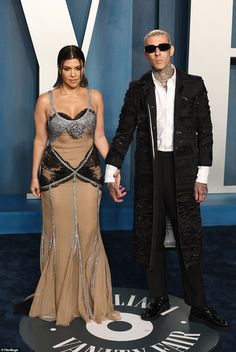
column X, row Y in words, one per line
column 75, row 277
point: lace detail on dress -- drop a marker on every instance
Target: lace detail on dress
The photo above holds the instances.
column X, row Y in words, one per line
column 55, row 170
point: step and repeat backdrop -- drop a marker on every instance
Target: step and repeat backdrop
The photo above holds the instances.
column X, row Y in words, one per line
column 111, row 35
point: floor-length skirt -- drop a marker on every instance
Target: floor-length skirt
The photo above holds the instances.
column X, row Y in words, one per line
column 75, row 276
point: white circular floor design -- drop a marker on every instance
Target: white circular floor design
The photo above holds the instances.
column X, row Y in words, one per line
column 170, row 332
column 139, row 329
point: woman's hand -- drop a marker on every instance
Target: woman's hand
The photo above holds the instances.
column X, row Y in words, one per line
column 35, row 188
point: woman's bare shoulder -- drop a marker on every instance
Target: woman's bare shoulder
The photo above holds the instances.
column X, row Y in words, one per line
column 43, row 98
column 43, row 103
column 97, row 95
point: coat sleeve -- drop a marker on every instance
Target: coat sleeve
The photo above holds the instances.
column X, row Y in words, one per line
column 204, row 127
column 125, row 130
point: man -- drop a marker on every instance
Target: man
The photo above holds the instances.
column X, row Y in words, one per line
column 169, row 111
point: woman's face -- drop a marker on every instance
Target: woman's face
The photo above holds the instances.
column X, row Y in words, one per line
column 72, row 71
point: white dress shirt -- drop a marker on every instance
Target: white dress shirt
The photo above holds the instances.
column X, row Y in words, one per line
column 165, row 113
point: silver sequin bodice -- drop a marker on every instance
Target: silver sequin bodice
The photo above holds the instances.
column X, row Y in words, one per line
column 57, row 124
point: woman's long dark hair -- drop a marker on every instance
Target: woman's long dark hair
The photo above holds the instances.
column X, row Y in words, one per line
column 66, row 53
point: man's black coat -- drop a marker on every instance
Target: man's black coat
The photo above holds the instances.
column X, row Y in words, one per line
column 192, row 148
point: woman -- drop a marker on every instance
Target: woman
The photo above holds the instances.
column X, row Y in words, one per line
column 75, row 277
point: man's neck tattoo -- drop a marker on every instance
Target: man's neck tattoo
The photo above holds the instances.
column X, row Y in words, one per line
column 163, row 75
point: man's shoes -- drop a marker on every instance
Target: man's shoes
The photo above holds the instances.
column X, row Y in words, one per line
column 155, row 308
column 205, row 315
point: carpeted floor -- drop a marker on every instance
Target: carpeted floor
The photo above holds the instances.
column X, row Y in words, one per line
column 19, row 272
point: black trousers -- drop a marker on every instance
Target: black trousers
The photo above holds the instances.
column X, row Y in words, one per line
column 192, row 276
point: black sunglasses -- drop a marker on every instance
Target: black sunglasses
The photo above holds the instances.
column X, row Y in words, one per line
column 162, row 47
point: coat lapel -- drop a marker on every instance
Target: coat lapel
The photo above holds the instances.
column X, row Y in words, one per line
column 178, row 93
column 150, row 99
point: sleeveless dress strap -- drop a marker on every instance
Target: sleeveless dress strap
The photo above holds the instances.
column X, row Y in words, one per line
column 52, row 107
column 90, row 105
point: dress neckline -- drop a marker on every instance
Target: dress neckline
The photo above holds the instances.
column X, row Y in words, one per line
column 68, row 117
column 83, row 112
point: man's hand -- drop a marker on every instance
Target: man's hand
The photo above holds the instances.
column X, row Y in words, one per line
column 116, row 192
column 200, row 192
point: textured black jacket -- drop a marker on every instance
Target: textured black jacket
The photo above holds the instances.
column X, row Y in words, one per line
column 192, row 147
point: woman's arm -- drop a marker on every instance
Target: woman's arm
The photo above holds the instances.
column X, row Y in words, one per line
column 100, row 139
column 40, row 140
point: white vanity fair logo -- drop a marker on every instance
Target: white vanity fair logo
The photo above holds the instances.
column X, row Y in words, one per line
column 214, row 66
column 51, row 28
column 171, row 332
column 132, row 330
column 176, row 341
